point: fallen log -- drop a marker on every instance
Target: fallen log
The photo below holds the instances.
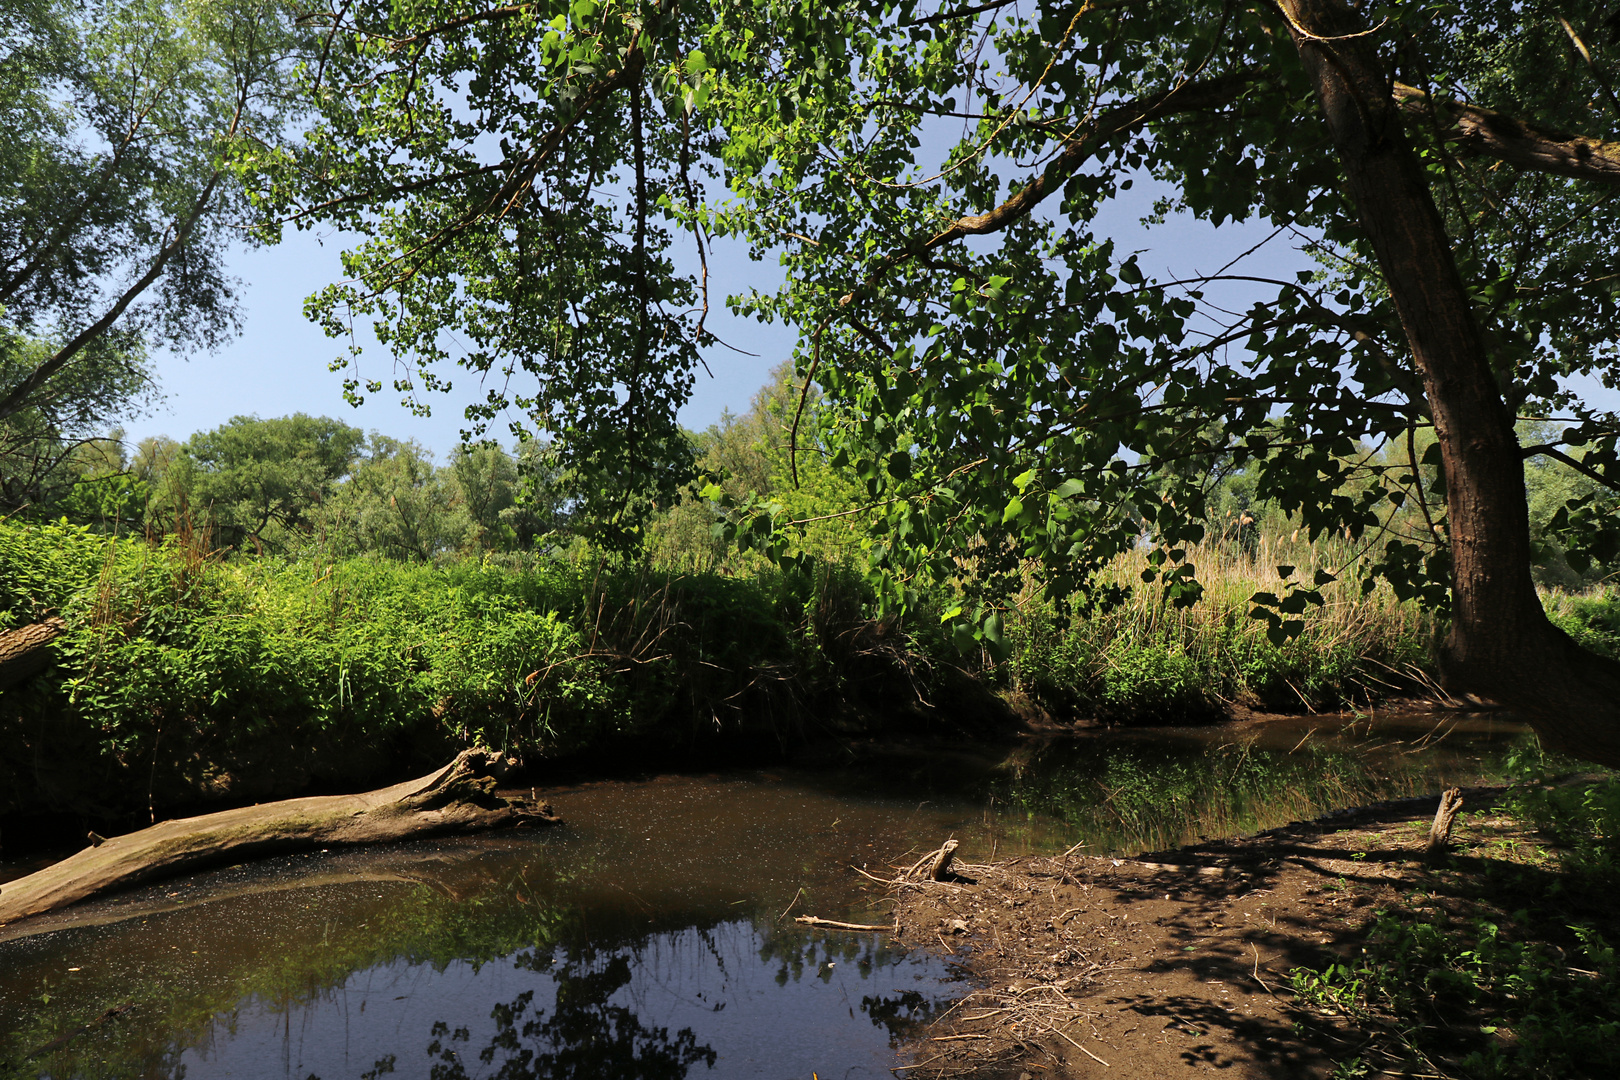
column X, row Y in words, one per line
column 23, row 653
column 459, row 798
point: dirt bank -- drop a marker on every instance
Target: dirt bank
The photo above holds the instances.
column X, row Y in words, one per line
column 1177, row 964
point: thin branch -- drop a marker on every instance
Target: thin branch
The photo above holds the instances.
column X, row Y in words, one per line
column 1579, row 466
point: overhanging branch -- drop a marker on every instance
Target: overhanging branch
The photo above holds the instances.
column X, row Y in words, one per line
column 1492, row 134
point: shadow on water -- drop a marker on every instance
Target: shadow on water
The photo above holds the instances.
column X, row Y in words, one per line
column 651, row 936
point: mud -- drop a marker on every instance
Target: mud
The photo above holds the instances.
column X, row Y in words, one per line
column 1164, row 965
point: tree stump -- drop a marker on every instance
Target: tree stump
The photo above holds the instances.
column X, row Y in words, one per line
column 459, row 798
column 936, row 865
column 1451, row 801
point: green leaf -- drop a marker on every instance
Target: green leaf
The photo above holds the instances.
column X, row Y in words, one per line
column 1068, row 489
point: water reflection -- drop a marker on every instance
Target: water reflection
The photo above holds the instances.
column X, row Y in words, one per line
column 734, row 1000
column 649, row 937
column 1156, row 789
column 585, row 1033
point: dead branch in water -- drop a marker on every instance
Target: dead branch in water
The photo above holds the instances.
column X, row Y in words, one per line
column 834, row 924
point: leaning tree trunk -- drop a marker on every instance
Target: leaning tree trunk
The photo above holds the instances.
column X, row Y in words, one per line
column 459, row 798
column 1501, row 645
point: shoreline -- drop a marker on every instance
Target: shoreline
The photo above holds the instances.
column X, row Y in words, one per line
column 1175, row 963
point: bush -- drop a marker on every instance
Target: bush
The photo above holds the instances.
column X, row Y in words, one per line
column 183, row 676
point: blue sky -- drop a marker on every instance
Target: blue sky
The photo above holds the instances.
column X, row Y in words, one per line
column 279, row 363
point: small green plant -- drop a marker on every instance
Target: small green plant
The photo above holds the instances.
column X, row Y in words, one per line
column 1484, row 967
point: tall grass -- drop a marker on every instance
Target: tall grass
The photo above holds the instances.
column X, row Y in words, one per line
column 1148, row 661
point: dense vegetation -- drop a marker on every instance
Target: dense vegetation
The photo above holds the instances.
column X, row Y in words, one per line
column 286, row 601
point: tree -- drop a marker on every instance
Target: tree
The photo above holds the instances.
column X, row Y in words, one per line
column 1015, row 396
column 395, row 503
column 118, row 123
column 59, row 438
column 259, row 482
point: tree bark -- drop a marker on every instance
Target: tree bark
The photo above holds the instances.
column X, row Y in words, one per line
column 1500, row 645
column 1451, row 801
column 23, row 653
column 459, row 798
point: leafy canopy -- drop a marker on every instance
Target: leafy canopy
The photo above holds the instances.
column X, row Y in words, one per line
column 1014, row 394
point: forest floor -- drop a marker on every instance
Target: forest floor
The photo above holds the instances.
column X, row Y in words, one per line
column 1216, row 958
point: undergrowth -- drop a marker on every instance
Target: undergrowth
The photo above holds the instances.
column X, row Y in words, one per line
column 183, row 676
column 1148, row 661
column 1502, row 965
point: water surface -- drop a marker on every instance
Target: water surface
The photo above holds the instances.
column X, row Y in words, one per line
column 653, row 934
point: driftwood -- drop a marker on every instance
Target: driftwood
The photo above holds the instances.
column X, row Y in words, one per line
column 23, row 653
column 834, row 924
column 459, row 798
column 936, row 865
column 1451, row 801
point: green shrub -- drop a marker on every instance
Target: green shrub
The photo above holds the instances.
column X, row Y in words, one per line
column 184, row 676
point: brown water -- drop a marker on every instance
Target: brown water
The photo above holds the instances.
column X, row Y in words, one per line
column 650, row 936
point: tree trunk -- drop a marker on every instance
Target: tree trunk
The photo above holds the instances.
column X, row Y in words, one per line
column 23, row 653
column 1501, row 645
column 459, row 798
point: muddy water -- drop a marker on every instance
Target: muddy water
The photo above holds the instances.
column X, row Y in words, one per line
column 651, row 936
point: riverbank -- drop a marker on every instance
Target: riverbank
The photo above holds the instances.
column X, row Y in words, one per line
column 1332, row 948
column 186, row 679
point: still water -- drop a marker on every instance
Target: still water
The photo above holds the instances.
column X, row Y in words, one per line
column 652, row 935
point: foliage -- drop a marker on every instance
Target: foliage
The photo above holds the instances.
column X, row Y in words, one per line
column 394, row 504
column 119, row 125
column 1023, row 407
column 1592, row 619
column 755, row 460
column 565, row 286
column 1148, row 660
column 185, row 676
column 257, row 482
column 52, row 446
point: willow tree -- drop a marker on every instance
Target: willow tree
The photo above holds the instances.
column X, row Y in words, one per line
column 118, row 122
column 1014, row 393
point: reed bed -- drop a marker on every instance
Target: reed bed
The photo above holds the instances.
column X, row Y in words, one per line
column 1146, row 660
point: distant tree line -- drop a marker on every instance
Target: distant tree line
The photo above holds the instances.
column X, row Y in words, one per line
column 283, row 485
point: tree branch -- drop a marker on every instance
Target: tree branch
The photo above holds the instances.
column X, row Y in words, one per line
column 16, row 399
column 1548, row 450
column 1492, row 134
column 1187, row 97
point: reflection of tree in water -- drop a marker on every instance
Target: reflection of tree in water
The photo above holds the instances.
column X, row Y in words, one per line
column 797, row 951
column 584, row 1036
column 900, row 1012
